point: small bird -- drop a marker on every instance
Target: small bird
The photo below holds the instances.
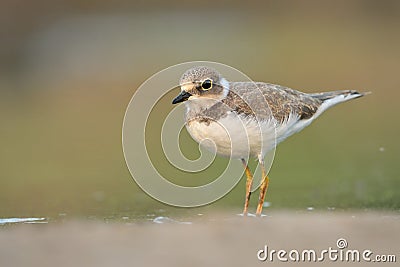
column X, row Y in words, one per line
column 248, row 119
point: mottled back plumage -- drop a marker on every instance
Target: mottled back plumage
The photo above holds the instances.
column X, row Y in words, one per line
column 281, row 101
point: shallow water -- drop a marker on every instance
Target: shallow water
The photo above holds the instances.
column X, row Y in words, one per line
column 161, row 216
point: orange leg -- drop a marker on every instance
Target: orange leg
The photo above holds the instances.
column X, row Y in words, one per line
column 249, row 182
column 263, row 189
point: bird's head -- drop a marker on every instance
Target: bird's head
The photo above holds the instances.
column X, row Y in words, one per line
column 202, row 83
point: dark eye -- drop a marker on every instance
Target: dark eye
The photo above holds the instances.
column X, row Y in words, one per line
column 206, row 84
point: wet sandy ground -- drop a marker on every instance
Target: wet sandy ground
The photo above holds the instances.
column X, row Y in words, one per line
column 228, row 240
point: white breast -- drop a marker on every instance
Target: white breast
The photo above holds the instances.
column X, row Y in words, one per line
column 234, row 135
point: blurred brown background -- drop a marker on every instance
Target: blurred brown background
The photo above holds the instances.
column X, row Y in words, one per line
column 69, row 68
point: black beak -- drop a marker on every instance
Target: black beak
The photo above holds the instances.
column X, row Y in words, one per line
column 183, row 96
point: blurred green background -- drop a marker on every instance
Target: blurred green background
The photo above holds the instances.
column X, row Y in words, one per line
column 69, row 68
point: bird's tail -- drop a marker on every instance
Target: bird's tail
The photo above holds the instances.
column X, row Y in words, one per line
column 344, row 95
column 329, row 99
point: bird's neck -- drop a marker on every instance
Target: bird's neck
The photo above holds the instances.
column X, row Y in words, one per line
column 198, row 105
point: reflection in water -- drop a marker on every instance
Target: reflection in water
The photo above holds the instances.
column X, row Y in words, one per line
column 161, row 219
column 22, row 220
